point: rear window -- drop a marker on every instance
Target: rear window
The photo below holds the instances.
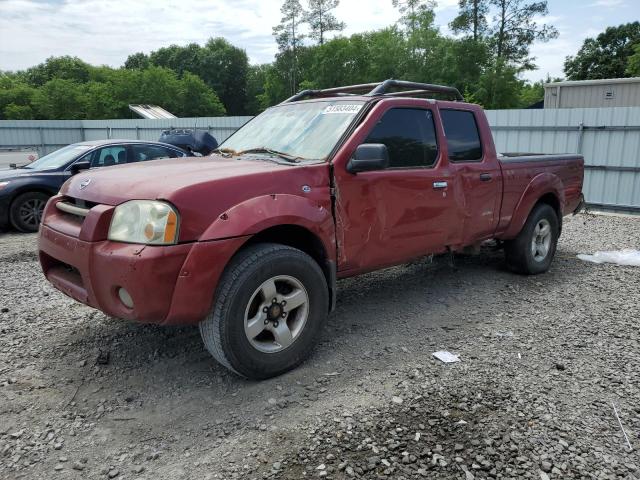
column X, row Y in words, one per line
column 463, row 139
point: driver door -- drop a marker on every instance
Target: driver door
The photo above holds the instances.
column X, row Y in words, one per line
column 405, row 211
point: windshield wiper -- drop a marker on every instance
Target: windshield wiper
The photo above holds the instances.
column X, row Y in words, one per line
column 285, row 156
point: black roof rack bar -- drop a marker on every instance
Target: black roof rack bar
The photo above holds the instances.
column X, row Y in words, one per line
column 383, row 88
column 329, row 91
column 375, row 89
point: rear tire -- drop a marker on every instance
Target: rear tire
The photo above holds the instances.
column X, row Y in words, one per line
column 26, row 211
column 532, row 251
column 250, row 333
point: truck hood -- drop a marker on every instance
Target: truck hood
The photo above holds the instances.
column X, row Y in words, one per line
column 202, row 188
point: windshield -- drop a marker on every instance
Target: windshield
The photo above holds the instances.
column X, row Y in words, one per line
column 58, row 158
column 305, row 131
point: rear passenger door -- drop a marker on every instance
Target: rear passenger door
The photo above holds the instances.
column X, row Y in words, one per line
column 477, row 175
column 408, row 210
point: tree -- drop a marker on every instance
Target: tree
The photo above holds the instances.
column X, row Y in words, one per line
column 197, row 99
column 498, row 86
column 633, row 65
column 223, row 67
column 471, row 18
column 605, row 56
column 256, row 83
column 60, row 99
column 321, row 20
column 138, row 61
column 288, row 36
column 410, row 11
column 63, row 68
column 515, row 29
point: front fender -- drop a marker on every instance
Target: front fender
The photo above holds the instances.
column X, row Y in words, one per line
column 259, row 213
column 542, row 184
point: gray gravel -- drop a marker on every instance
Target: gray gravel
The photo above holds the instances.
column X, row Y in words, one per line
column 542, row 359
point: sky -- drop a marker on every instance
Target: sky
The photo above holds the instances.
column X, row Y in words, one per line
column 107, row 31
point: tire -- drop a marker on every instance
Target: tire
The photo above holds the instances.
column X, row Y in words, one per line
column 229, row 331
column 532, row 251
column 26, row 210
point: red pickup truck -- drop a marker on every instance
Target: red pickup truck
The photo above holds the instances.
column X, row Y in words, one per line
column 250, row 241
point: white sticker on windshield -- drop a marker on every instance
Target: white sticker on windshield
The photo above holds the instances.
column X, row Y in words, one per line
column 342, row 108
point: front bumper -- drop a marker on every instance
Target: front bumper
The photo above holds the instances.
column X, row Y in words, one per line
column 168, row 284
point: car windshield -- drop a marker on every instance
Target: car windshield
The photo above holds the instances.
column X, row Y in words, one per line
column 300, row 131
column 58, row 158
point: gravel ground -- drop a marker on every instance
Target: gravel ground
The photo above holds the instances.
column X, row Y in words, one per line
column 542, row 361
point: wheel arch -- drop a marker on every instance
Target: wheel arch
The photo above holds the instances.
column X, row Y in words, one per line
column 303, row 239
column 29, row 189
column 545, row 188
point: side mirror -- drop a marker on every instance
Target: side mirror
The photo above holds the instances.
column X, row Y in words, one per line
column 79, row 166
column 368, row 157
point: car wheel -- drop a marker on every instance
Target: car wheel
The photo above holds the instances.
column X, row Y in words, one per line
column 532, row 251
column 26, row 211
column 269, row 308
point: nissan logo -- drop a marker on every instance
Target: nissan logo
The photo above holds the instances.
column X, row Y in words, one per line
column 85, row 184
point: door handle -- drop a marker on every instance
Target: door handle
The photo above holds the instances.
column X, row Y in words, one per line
column 485, row 177
column 440, row 184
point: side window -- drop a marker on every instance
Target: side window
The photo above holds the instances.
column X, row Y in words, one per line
column 463, row 140
column 410, row 137
column 107, row 156
column 142, row 153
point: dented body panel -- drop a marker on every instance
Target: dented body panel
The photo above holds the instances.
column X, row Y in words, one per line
column 353, row 223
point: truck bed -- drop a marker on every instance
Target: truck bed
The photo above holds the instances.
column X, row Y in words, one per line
column 519, row 170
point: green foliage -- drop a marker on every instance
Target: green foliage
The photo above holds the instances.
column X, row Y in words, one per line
column 471, row 18
column 412, row 10
column 633, row 65
column 101, row 92
column 515, row 29
column 321, row 20
column 606, row 56
column 485, row 62
column 63, row 68
column 222, row 66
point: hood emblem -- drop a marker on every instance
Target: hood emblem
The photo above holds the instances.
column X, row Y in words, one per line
column 85, row 184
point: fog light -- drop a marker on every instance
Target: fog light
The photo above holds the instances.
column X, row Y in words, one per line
column 125, row 298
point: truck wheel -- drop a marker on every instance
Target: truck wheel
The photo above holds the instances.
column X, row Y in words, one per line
column 26, row 211
column 270, row 305
column 532, row 251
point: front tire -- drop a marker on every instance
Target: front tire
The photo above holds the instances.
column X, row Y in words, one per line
column 269, row 308
column 532, row 251
column 26, row 211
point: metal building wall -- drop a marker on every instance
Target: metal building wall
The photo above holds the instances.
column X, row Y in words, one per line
column 609, row 139
column 592, row 95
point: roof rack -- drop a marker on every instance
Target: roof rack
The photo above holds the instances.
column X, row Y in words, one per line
column 379, row 89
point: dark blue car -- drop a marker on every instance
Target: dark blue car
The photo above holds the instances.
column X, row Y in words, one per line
column 24, row 190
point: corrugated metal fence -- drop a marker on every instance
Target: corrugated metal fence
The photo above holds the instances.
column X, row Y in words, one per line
column 49, row 135
column 609, row 138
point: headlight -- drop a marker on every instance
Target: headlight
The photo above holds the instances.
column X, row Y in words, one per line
column 3, row 184
column 144, row 221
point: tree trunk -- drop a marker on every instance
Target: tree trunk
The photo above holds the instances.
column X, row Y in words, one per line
column 475, row 20
column 503, row 13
